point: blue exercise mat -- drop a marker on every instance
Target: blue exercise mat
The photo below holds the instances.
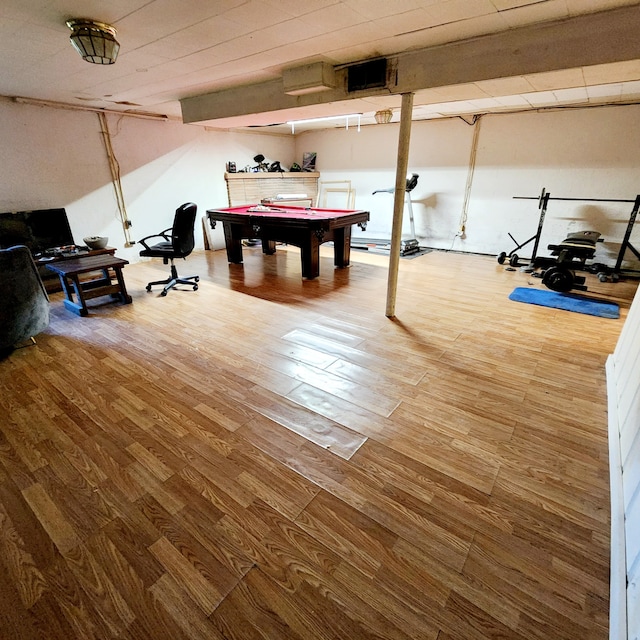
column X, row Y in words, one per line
column 566, row 301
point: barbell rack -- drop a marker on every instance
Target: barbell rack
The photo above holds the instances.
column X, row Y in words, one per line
column 543, row 202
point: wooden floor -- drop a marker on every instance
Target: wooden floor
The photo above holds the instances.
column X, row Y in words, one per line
column 271, row 458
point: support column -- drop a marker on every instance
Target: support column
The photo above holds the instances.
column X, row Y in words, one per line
column 398, row 201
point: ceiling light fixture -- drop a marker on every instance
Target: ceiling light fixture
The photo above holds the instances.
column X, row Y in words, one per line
column 94, row 41
column 293, row 123
column 383, row 116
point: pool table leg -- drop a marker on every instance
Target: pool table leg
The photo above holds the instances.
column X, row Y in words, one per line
column 233, row 243
column 268, row 246
column 342, row 246
column 310, row 256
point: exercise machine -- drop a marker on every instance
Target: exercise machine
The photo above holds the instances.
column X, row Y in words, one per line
column 573, row 252
column 512, row 256
column 411, row 245
column 559, row 271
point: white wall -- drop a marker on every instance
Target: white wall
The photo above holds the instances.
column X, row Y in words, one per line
column 56, row 158
column 439, row 153
column 579, row 153
column 623, row 387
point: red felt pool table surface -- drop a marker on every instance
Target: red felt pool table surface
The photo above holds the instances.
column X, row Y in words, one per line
column 304, row 227
column 277, row 211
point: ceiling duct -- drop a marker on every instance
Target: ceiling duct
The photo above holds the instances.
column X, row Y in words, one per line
column 310, row 78
column 367, row 75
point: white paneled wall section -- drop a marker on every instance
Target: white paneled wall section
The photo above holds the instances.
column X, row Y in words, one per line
column 623, row 384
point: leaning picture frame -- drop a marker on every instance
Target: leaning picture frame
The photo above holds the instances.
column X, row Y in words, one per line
column 309, row 161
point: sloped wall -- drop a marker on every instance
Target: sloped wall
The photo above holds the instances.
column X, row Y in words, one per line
column 56, row 158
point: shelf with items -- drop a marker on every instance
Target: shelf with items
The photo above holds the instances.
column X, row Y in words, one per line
column 252, row 188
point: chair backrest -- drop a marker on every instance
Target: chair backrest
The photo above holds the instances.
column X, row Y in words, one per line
column 182, row 237
column 25, row 304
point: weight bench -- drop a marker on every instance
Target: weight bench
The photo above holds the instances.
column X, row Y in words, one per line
column 570, row 254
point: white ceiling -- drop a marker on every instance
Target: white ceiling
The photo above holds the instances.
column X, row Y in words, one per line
column 177, row 49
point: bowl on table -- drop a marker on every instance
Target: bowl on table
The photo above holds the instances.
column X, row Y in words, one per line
column 96, row 242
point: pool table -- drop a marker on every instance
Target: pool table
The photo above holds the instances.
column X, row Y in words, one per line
column 304, row 227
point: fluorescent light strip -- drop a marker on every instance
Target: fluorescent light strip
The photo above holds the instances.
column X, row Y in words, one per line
column 293, row 123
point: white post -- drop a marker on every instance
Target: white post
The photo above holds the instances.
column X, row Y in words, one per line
column 398, row 201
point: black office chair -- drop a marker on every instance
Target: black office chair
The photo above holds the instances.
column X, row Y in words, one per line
column 178, row 243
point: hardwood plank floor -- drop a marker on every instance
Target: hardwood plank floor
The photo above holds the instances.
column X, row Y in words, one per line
column 274, row 458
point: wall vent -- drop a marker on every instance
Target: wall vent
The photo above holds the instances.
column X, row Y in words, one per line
column 367, row 75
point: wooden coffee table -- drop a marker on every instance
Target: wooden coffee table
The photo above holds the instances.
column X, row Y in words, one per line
column 86, row 289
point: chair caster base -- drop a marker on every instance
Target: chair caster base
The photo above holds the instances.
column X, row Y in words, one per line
column 172, row 282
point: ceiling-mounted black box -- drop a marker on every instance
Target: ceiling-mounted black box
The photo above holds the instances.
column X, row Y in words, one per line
column 367, row 75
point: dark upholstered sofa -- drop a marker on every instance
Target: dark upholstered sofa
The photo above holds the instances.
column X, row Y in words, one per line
column 24, row 303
